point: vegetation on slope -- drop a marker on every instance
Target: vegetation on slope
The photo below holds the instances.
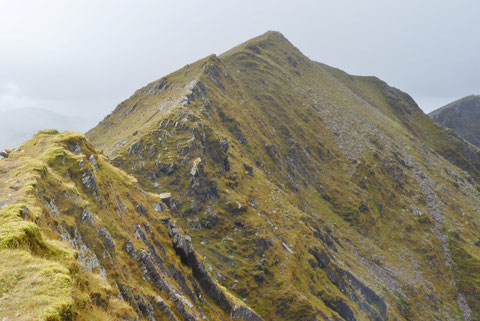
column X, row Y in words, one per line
column 79, row 240
column 328, row 194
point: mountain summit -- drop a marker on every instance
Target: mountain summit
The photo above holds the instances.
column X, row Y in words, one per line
column 462, row 116
column 253, row 185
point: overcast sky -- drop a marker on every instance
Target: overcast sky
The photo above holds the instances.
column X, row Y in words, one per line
column 67, row 64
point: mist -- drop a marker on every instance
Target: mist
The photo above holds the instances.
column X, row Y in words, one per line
column 67, row 64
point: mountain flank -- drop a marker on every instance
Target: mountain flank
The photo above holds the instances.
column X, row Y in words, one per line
column 253, row 185
column 306, row 186
column 462, row 116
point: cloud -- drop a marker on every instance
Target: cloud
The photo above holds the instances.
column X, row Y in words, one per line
column 21, row 116
column 19, row 124
column 12, row 97
column 82, row 58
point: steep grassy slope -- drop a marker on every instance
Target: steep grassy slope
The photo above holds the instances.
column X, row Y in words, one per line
column 79, row 240
column 462, row 116
column 311, row 194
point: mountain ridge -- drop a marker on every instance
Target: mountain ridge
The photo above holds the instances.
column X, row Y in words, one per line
column 98, row 266
column 252, row 99
column 462, row 116
column 256, row 184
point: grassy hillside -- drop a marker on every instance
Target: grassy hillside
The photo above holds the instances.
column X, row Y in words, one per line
column 310, row 193
column 79, row 240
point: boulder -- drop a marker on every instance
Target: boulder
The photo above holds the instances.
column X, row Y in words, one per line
column 107, row 239
column 197, row 168
column 166, row 198
column 93, row 161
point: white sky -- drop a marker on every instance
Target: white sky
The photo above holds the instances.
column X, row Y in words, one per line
column 74, row 61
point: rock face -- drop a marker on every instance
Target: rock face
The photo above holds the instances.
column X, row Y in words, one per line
column 462, row 116
column 184, row 248
column 254, row 185
column 90, row 231
column 4, row 154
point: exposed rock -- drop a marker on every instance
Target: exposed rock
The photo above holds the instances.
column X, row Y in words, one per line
column 163, row 307
column 217, row 151
column 85, row 255
column 135, row 149
column 184, row 248
column 214, row 73
column 167, row 169
column 142, row 211
column 326, row 144
column 343, row 310
column 209, row 221
column 159, row 207
column 75, row 148
column 196, row 167
column 180, row 278
column 87, row 217
column 366, row 298
column 292, row 62
column 127, row 295
column 4, row 154
column 53, row 208
column 165, row 196
column 244, row 313
column 248, row 169
column 93, row 161
column 106, row 239
column 364, row 208
column 145, row 307
column 202, row 189
column 255, row 49
column 199, row 91
column 153, row 249
column 89, row 181
column 235, row 207
column 131, row 250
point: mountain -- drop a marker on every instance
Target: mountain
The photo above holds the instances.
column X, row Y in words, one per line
column 462, row 116
column 255, row 185
column 79, row 240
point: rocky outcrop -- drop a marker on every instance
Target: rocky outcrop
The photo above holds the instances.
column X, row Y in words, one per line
column 184, row 248
column 368, row 301
column 85, row 254
column 244, row 313
column 4, row 153
column 107, row 239
column 151, row 272
column 89, row 181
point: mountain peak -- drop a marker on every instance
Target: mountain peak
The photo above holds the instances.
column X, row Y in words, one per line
column 462, row 116
column 300, row 184
column 270, row 39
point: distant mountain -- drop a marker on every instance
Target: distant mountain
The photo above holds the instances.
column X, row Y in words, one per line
column 253, row 185
column 18, row 125
column 463, row 116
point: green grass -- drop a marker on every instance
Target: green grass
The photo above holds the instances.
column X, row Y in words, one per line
column 321, row 143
